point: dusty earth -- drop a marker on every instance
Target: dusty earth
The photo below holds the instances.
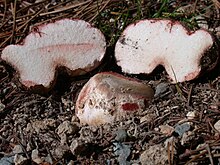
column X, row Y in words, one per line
column 180, row 126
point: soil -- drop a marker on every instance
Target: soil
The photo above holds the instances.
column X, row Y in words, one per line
column 180, row 126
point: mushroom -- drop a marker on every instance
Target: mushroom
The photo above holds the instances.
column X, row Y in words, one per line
column 73, row 44
column 108, row 96
column 148, row 43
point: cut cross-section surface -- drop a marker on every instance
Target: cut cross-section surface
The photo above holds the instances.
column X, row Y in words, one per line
column 148, row 43
column 73, row 44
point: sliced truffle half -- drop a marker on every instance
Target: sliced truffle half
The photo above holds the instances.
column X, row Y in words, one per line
column 148, row 43
column 73, row 44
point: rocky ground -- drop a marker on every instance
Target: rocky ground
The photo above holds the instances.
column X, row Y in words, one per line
column 180, row 126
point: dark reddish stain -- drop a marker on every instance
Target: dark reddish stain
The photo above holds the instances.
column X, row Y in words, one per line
column 130, row 106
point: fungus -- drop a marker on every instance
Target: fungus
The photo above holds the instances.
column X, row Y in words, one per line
column 108, row 96
column 71, row 44
column 148, row 43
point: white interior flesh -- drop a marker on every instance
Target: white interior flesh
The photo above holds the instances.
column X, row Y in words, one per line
column 92, row 104
column 150, row 43
column 70, row 43
column 94, row 115
column 102, row 98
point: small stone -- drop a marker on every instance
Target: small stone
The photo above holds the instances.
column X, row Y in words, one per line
column 121, row 135
column 29, row 146
column 19, row 159
column 71, row 162
column 63, row 139
column 48, row 160
column 215, row 107
column 61, row 150
column 40, row 125
column 218, row 34
column 112, row 20
column 217, row 125
column 166, row 129
column 187, row 137
column 66, row 102
column 148, row 118
column 2, row 106
column 191, row 115
column 35, row 157
column 107, row 96
column 161, row 89
column 74, row 119
column 17, row 149
column 7, row 160
column 67, row 128
column 122, row 151
column 156, row 154
column 77, row 147
column 182, row 128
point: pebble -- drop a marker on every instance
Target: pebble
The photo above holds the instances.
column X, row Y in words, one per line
column 161, row 89
column 7, row 160
column 191, row 115
column 187, row 137
column 17, row 149
column 77, row 147
column 2, row 106
column 182, row 128
column 112, row 20
column 217, row 125
column 35, row 156
column 48, row 160
column 61, row 150
column 121, row 135
column 122, row 151
column 67, row 128
column 156, row 154
column 71, row 162
column 40, row 125
column 166, row 129
column 148, row 118
column 19, row 159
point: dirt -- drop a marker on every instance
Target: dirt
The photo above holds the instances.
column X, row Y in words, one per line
column 180, row 126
